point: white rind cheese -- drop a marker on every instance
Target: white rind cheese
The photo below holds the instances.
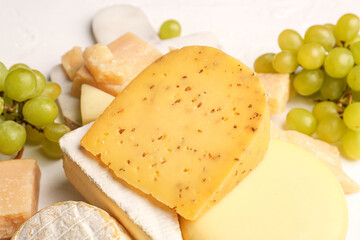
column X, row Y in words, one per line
column 71, row 220
column 143, row 217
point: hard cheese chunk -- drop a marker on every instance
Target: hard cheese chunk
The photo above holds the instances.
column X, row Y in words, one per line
column 93, row 102
column 290, row 195
column 71, row 220
column 72, row 61
column 277, row 86
column 187, row 130
column 19, row 192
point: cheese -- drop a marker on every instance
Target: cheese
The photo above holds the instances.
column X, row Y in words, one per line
column 187, row 130
column 324, row 151
column 19, row 193
column 72, row 61
column 71, row 220
column 290, row 195
column 143, row 217
column 277, row 86
column 93, row 103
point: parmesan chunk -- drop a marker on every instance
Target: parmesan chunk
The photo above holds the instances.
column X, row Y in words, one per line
column 72, row 61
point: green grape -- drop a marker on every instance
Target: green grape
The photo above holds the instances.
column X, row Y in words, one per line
column 52, row 90
column 19, row 65
column 355, row 40
column 352, row 116
column 3, row 74
column 311, row 56
column 308, row 82
column 353, row 78
column 347, row 27
column 322, row 35
column 331, row 129
column 285, row 62
column 330, row 26
column 333, row 88
column 2, row 103
column 170, row 29
column 33, row 135
column 52, row 149
column 12, row 137
column 263, row 64
column 355, row 96
column 301, row 120
column 54, row 131
column 290, row 40
column 20, row 84
column 40, row 111
column 355, row 50
column 325, row 109
column 2, row 119
column 351, row 144
column 40, row 84
column 338, row 62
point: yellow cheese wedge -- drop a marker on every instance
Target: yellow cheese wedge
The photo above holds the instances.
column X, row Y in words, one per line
column 19, row 193
column 72, row 61
column 187, row 130
column 324, row 151
column 277, row 86
column 93, row 102
column 290, row 195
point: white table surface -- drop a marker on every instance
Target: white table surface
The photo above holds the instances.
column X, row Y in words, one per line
column 38, row 32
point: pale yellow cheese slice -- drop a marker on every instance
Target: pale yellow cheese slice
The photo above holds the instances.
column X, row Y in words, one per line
column 93, row 102
column 19, row 193
column 291, row 195
column 187, row 130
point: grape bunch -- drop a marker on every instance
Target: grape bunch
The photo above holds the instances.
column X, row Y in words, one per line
column 324, row 65
column 28, row 111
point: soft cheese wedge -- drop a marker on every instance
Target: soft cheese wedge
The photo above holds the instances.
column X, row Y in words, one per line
column 71, row 220
column 144, row 218
column 93, row 102
column 187, row 130
column 290, row 195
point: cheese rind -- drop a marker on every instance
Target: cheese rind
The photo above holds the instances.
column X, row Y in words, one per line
column 186, row 130
column 19, row 193
column 71, row 220
column 143, row 217
column 290, row 195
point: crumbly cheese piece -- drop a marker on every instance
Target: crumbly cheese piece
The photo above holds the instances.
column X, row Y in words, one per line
column 19, row 193
column 93, row 102
column 187, row 130
column 290, row 195
column 324, row 151
column 143, row 217
column 277, row 86
column 71, row 220
column 72, row 61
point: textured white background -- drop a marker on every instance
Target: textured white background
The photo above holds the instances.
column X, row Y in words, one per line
column 38, row 32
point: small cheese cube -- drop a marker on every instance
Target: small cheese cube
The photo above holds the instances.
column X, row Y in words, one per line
column 72, row 61
column 277, row 86
column 19, row 192
column 186, row 130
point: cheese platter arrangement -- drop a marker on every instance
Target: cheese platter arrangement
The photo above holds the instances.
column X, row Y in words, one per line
column 125, row 120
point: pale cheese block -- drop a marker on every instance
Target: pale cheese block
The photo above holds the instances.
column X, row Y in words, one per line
column 277, row 85
column 290, row 195
column 324, row 151
column 72, row 61
column 143, row 217
column 19, row 193
column 93, row 102
column 186, row 130
column 71, row 220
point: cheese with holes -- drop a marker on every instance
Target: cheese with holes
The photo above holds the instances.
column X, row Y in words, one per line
column 71, row 220
column 19, row 193
column 290, row 195
column 93, row 102
column 277, row 86
column 143, row 217
column 186, row 130
column 72, row 61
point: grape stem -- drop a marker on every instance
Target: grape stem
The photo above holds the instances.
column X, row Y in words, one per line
column 345, row 100
column 20, row 153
